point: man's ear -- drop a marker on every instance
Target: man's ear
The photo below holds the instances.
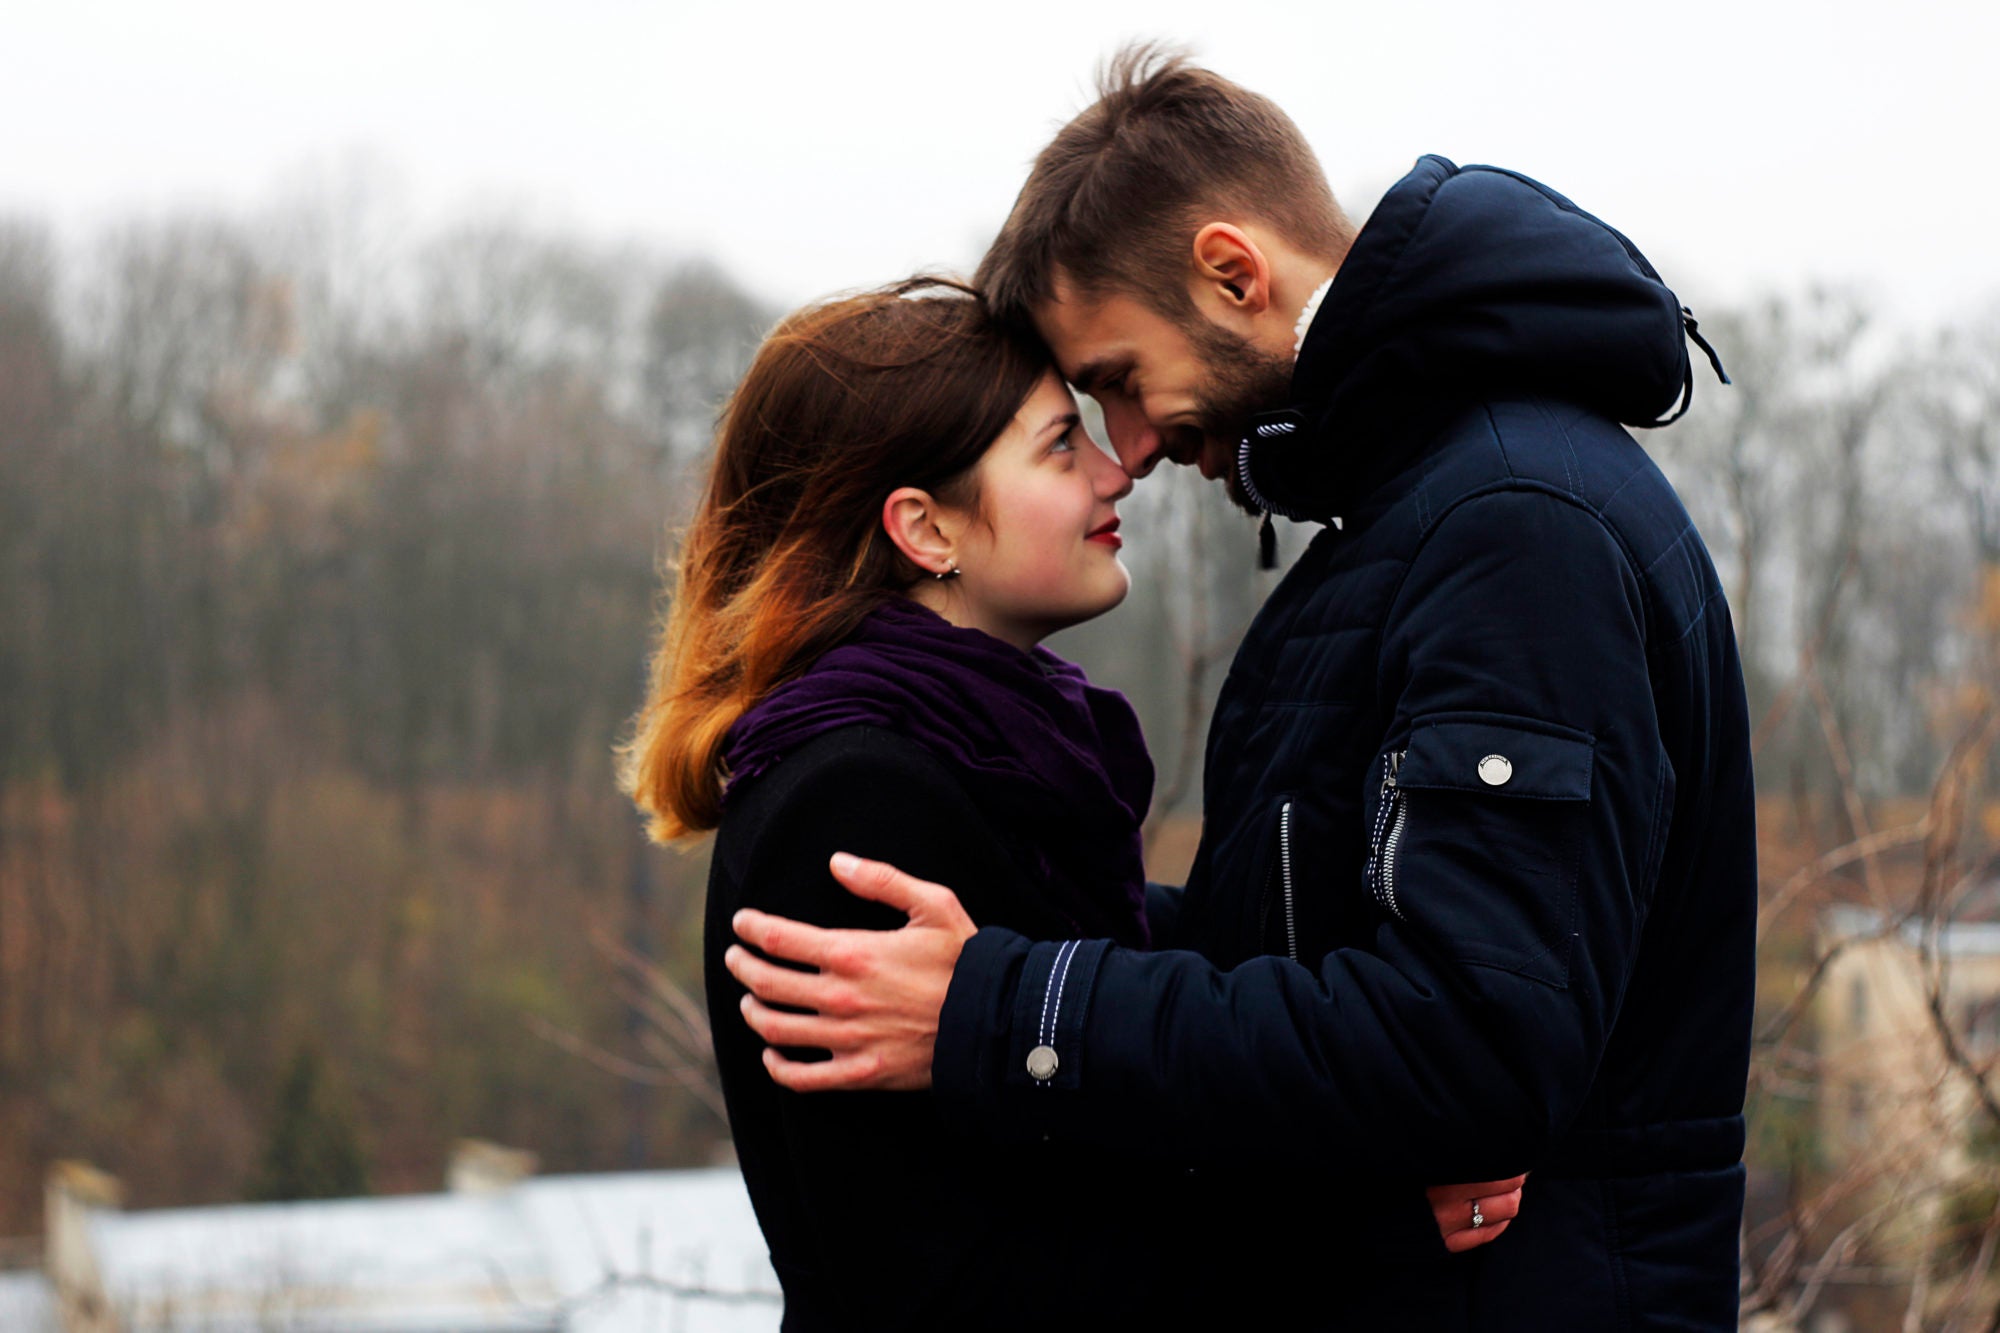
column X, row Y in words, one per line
column 917, row 524
column 1232, row 274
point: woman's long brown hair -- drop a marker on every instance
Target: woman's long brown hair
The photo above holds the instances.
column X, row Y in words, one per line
column 844, row 402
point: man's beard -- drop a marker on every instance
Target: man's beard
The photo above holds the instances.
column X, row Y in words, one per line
column 1241, row 381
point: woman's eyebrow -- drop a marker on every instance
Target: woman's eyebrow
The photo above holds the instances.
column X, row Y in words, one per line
column 1065, row 420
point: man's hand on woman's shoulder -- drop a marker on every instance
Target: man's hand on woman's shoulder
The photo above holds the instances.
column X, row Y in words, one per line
column 876, row 994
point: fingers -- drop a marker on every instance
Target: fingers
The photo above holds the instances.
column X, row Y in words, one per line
column 874, row 995
column 782, row 937
column 923, row 902
column 849, row 952
column 783, row 985
column 1454, row 1213
column 1461, row 1241
column 779, row 1028
column 842, row 1073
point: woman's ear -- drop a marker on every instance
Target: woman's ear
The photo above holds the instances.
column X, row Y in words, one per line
column 917, row 524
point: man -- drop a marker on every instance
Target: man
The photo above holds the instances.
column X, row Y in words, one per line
column 1476, row 889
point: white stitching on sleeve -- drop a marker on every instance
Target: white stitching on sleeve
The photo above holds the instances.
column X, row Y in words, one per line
column 1052, row 990
column 1056, row 1020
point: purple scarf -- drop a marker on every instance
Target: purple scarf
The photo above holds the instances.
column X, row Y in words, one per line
column 1060, row 763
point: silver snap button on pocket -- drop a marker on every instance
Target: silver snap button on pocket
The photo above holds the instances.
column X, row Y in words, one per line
column 1042, row 1063
column 1495, row 769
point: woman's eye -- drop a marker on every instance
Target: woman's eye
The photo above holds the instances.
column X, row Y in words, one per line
column 1065, row 443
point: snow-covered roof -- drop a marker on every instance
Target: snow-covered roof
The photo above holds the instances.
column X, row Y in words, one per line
column 583, row 1254
column 1958, row 939
column 27, row 1304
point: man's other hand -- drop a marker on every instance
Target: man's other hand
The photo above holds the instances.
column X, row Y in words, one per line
column 876, row 997
column 1494, row 1202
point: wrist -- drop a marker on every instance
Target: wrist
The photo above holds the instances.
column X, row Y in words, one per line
column 973, row 1023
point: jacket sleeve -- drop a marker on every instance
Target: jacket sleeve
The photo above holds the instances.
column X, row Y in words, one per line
column 1460, row 1043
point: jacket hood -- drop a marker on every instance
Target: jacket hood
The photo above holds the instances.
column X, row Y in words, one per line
column 1465, row 283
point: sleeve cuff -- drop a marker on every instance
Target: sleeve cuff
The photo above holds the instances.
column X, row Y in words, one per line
column 1013, row 1024
column 1045, row 1047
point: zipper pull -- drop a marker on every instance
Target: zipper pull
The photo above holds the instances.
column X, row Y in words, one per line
column 1393, row 766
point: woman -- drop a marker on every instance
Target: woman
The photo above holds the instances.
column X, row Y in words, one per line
column 901, row 506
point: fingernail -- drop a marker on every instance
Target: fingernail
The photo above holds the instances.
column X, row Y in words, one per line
column 845, row 864
column 736, row 922
column 744, row 1003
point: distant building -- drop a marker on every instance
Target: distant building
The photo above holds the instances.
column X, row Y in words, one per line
column 1886, row 1093
column 500, row 1252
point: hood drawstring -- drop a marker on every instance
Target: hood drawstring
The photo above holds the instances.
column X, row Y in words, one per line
column 1270, row 426
column 1693, row 329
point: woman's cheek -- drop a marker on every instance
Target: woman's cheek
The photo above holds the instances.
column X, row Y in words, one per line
column 1047, row 579
column 1044, row 578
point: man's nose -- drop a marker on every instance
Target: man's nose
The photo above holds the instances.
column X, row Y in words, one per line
column 1112, row 481
column 1133, row 438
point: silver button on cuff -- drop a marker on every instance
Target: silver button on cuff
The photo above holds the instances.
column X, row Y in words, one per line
column 1495, row 769
column 1042, row 1063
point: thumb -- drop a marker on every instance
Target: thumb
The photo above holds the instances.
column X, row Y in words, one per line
column 923, row 902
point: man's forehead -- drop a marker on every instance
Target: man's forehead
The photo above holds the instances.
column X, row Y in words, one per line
column 1067, row 310
column 1082, row 329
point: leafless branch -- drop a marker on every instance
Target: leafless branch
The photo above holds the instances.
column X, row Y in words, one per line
column 1816, row 872
column 692, row 1077
column 1808, row 655
column 1850, row 793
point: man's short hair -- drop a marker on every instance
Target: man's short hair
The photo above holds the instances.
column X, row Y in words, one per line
column 1114, row 201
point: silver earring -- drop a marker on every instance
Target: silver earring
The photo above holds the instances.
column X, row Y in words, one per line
column 944, row 574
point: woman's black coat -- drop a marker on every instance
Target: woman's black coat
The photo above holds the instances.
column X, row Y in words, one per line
column 878, row 1216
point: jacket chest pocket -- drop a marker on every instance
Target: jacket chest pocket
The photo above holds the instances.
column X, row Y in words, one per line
column 1474, row 833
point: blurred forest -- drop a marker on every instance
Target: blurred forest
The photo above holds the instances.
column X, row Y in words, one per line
column 329, row 560
column 326, row 575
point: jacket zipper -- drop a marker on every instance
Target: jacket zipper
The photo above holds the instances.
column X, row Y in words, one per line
column 1385, row 862
column 1285, row 873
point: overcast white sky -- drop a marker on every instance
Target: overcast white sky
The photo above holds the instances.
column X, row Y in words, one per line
column 808, row 147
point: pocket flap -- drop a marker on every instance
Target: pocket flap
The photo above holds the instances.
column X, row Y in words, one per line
column 1500, row 756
